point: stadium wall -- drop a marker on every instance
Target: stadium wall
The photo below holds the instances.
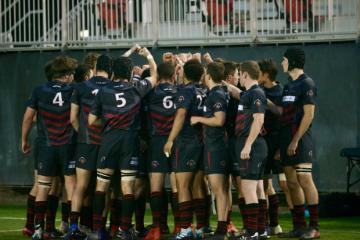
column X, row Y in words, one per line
column 334, row 67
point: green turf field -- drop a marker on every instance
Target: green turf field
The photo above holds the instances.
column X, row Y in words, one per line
column 12, row 221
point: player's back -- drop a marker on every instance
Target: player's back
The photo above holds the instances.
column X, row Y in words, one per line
column 84, row 96
column 52, row 102
column 120, row 105
column 162, row 108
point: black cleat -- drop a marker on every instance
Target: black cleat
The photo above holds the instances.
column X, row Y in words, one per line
column 295, row 233
column 311, row 233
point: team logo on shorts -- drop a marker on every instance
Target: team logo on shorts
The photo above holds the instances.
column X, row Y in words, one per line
column 191, row 163
column 222, row 163
column 181, row 98
column 40, row 165
column 310, row 154
column 155, row 164
column 82, row 160
column 102, row 159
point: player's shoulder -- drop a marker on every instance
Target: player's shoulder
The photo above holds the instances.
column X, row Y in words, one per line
column 307, row 81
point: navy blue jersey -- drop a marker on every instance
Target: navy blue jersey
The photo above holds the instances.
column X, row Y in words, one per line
column 84, row 96
column 52, row 103
column 190, row 98
column 118, row 104
column 231, row 116
column 161, row 109
column 216, row 101
column 272, row 121
column 295, row 95
column 251, row 101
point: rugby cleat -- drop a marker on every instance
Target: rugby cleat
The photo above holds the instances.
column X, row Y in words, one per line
column 311, row 233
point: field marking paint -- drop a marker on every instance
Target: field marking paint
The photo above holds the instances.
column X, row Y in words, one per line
column 5, row 231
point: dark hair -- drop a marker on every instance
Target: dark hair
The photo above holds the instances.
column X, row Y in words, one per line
column 145, row 73
column 122, row 68
column 193, row 70
column 81, row 72
column 48, row 71
column 268, row 66
column 104, row 63
column 216, row 71
column 90, row 59
column 166, row 70
column 296, row 58
column 62, row 66
column 252, row 68
column 230, row 68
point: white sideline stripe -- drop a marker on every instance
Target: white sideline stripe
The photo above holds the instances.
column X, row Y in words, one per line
column 4, row 231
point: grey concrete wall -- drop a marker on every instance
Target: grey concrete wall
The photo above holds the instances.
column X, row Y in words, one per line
column 334, row 67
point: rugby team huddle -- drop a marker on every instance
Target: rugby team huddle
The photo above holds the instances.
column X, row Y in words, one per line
column 109, row 134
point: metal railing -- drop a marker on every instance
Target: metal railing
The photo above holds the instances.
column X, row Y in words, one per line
column 53, row 24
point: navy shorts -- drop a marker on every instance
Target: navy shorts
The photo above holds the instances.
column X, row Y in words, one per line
column 187, row 155
column 253, row 168
column 55, row 160
column 86, row 156
column 117, row 150
column 304, row 152
column 158, row 162
column 272, row 165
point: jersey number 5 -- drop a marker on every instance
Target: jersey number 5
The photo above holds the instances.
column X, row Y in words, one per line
column 118, row 97
column 58, row 99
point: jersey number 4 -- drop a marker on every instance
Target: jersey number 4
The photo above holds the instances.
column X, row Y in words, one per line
column 58, row 99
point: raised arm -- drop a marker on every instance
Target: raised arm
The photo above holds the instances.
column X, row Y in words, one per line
column 152, row 64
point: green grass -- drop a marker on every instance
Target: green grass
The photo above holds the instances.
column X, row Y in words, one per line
column 11, row 223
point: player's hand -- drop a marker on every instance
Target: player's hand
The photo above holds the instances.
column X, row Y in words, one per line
column 137, row 70
column 167, row 148
column 197, row 56
column 194, row 120
column 144, row 52
column 277, row 155
column 207, row 58
column 291, row 150
column 136, row 47
column 168, row 57
column 25, row 147
column 245, row 153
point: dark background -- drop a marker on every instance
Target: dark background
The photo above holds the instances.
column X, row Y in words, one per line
column 334, row 67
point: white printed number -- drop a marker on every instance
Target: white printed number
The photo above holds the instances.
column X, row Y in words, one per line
column 95, row 91
column 200, row 106
column 58, row 99
column 121, row 99
column 167, row 102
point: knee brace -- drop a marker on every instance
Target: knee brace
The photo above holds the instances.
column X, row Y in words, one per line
column 103, row 177
column 303, row 170
column 128, row 175
column 44, row 184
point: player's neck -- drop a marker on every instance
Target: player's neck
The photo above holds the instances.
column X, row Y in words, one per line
column 249, row 83
column 211, row 85
column 102, row 74
column 269, row 84
column 165, row 81
column 296, row 73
